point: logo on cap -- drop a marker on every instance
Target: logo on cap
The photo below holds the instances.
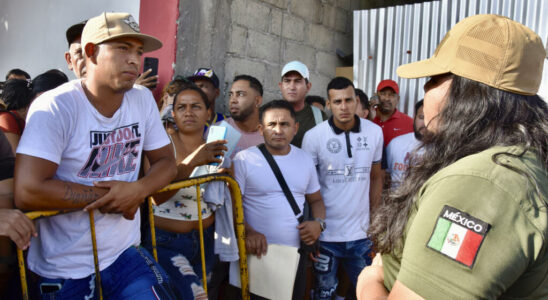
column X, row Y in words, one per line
column 204, row 72
column 131, row 23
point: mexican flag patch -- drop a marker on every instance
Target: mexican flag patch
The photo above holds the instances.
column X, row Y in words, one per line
column 458, row 235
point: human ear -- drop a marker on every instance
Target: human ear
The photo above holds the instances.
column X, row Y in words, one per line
column 68, row 58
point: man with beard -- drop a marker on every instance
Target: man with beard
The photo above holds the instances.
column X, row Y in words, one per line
column 245, row 98
column 393, row 122
column 401, row 147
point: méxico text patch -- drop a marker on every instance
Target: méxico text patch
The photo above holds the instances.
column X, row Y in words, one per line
column 458, row 235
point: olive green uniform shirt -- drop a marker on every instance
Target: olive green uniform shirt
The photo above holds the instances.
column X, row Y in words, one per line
column 512, row 260
column 306, row 120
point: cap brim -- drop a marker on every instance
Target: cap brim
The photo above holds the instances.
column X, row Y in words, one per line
column 296, row 71
column 150, row 43
column 419, row 69
column 193, row 78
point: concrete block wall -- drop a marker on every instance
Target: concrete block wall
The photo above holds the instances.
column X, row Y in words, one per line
column 257, row 37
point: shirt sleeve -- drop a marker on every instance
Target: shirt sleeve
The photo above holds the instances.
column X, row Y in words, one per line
column 378, row 154
column 501, row 257
column 156, row 136
column 239, row 170
column 8, row 123
column 309, row 146
column 45, row 135
column 314, row 183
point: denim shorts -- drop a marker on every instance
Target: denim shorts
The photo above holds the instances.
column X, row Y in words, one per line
column 133, row 275
column 179, row 254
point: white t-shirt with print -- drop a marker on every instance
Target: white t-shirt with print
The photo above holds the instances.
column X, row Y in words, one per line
column 397, row 157
column 345, row 180
column 64, row 128
column 266, row 208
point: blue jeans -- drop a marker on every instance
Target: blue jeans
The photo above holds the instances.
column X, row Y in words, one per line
column 134, row 275
column 179, row 255
column 354, row 256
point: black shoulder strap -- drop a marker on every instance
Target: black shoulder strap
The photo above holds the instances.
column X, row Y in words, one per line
column 281, row 181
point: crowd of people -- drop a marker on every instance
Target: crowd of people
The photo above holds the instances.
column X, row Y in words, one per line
column 450, row 203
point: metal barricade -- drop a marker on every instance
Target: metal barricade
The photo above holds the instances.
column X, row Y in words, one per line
column 197, row 181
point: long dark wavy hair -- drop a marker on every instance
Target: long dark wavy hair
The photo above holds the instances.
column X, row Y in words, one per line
column 475, row 117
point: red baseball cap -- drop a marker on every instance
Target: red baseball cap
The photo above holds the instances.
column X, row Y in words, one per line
column 387, row 83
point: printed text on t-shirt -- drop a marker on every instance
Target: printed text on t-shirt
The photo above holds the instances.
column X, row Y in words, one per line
column 112, row 152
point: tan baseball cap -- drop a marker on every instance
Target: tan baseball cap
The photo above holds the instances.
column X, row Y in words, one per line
column 490, row 49
column 108, row 26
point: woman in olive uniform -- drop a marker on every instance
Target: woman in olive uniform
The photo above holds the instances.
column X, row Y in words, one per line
column 471, row 219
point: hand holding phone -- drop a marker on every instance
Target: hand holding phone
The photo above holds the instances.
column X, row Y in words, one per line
column 149, row 77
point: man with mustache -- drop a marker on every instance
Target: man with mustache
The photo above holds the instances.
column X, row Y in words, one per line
column 245, row 98
column 393, row 122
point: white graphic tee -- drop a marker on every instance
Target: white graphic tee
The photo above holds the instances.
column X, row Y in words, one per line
column 64, row 128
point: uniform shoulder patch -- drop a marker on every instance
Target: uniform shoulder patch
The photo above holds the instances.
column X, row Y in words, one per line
column 458, row 235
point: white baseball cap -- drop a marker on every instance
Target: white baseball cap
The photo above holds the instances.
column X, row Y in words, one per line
column 296, row 66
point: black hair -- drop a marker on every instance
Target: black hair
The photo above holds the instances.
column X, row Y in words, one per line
column 48, row 81
column 474, row 118
column 314, row 99
column 277, row 104
column 17, row 94
column 174, row 86
column 254, row 83
column 339, row 83
column 364, row 100
column 418, row 105
column 58, row 72
column 193, row 88
column 18, row 72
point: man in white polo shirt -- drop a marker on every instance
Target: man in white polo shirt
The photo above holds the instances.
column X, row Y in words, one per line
column 347, row 151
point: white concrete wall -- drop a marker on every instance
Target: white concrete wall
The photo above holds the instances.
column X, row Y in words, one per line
column 32, row 32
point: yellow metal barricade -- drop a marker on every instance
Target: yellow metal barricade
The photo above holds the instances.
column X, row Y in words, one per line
column 236, row 196
column 21, row 260
column 239, row 226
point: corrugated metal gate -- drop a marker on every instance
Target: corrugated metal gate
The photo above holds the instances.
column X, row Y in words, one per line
column 385, row 38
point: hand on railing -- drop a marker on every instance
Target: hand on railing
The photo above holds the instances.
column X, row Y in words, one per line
column 123, row 198
column 18, row 227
